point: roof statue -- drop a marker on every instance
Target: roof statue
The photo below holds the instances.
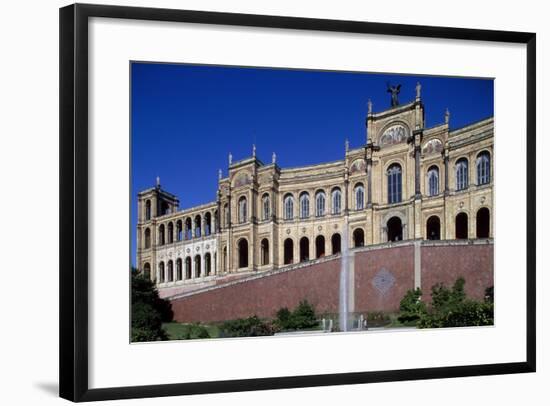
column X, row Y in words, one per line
column 273, row 158
column 418, row 89
column 447, row 115
column 369, row 106
column 230, row 158
column 394, row 90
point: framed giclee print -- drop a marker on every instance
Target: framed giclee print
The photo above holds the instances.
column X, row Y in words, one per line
column 257, row 202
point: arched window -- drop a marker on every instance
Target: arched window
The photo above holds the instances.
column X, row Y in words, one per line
column 304, row 205
column 304, row 249
column 148, row 210
column 266, row 209
column 358, row 237
column 179, row 230
column 164, row 208
column 243, row 253
column 207, row 264
column 336, row 201
column 147, row 270
column 207, row 223
column 264, row 248
column 433, row 181
column 433, row 228
column 188, row 229
column 187, row 267
column 198, row 266
column 170, row 233
column 395, row 229
column 161, row 272
column 359, row 197
column 462, row 174
column 179, row 275
column 242, row 210
column 162, row 236
column 147, row 238
column 482, row 223
column 170, row 271
column 289, row 207
column 288, row 251
column 394, row 183
column 320, row 200
column 461, row 226
column 319, row 246
column 483, row 165
column 198, row 226
column 336, row 241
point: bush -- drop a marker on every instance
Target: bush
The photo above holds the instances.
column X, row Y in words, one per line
column 451, row 308
column 303, row 317
column 194, row 331
column 412, row 308
column 249, row 327
column 148, row 310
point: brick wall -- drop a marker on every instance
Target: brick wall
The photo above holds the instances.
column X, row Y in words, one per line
column 446, row 263
column 382, row 276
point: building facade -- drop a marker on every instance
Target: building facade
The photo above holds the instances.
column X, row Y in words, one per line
column 406, row 182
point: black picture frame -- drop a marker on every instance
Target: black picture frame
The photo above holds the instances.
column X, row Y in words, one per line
column 73, row 333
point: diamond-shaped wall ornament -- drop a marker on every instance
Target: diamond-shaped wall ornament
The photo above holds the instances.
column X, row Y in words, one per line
column 383, row 281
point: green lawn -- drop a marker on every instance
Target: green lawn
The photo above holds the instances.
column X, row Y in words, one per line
column 182, row 331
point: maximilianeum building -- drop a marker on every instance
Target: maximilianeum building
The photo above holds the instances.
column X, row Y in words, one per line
column 406, row 182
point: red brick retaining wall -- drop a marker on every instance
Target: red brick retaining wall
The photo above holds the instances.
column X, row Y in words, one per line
column 446, row 263
column 382, row 277
column 396, row 265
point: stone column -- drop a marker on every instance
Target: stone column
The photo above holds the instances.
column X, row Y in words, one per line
column 446, row 161
column 417, row 171
column 203, row 266
column 369, row 182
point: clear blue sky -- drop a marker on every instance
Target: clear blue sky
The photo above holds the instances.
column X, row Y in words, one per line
column 187, row 118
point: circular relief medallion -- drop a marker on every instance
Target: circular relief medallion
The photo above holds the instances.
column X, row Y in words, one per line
column 198, row 249
column 461, row 204
column 335, row 226
column 207, row 246
column 320, row 228
column 288, row 231
column 303, row 230
column 482, row 199
column 188, row 250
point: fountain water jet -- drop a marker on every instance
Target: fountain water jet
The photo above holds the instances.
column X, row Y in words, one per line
column 345, row 291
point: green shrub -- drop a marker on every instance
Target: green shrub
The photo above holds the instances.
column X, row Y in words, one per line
column 249, row 327
column 451, row 308
column 194, row 331
column 302, row 317
column 411, row 307
column 148, row 310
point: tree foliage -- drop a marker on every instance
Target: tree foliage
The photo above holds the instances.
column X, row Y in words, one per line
column 248, row 327
column 451, row 308
column 302, row 317
column 411, row 307
column 149, row 311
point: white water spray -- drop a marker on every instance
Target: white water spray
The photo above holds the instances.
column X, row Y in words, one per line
column 344, row 281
